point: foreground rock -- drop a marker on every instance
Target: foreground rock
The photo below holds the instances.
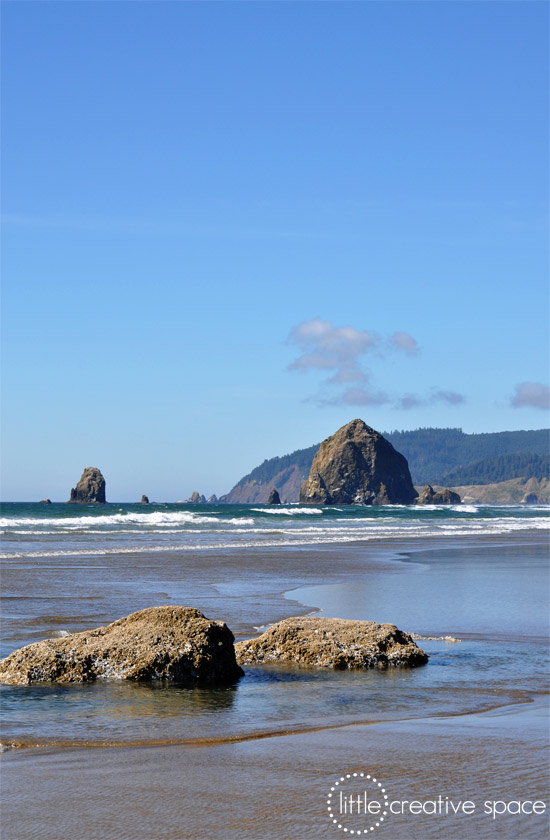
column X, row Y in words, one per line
column 332, row 643
column 90, row 490
column 429, row 496
column 357, row 466
column 160, row 643
column 274, row 498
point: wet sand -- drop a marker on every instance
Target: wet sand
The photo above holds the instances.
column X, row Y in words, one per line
column 276, row 788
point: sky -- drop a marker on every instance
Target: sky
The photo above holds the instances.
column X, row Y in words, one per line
column 228, row 228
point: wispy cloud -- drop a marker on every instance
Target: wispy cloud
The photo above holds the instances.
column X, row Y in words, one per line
column 356, row 396
column 411, row 401
column 531, row 395
column 341, row 351
column 405, row 342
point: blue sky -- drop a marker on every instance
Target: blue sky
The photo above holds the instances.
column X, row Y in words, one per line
column 230, row 228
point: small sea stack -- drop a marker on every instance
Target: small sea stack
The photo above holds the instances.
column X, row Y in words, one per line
column 144, row 500
column 90, row 490
column 274, row 498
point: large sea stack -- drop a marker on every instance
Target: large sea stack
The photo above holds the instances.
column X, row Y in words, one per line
column 357, row 466
column 90, row 490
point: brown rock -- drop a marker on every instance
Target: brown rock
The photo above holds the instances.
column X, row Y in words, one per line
column 429, row 496
column 90, row 489
column 160, row 643
column 357, row 466
column 332, row 643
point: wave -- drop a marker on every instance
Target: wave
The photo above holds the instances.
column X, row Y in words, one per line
column 307, row 536
column 289, row 511
column 155, row 518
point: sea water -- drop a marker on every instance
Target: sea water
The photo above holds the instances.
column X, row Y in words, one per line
column 477, row 574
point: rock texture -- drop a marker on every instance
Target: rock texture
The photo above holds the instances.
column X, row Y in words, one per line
column 144, row 500
column 332, row 643
column 274, row 498
column 357, row 466
column 161, row 643
column 444, row 496
column 90, row 489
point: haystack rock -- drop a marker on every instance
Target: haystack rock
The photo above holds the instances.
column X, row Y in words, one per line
column 429, row 496
column 144, row 500
column 332, row 643
column 357, row 466
column 274, row 498
column 90, row 489
column 176, row 644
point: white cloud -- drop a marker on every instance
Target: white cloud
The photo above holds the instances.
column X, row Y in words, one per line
column 328, row 347
column 531, row 395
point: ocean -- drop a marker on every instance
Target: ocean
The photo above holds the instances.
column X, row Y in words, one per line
column 255, row 760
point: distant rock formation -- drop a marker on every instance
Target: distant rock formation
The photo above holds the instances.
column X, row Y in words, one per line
column 195, row 499
column 530, row 499
column 429, row 496
column 357, row 466
column 213, row 500
column 90, row 489
column 45, row 502
column 274, row 498
column 144, row 500
column 160, row 643
column 332, row 643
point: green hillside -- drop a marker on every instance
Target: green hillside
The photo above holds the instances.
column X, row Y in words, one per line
column 272, row 467
column 501, row 468
column 433, row 453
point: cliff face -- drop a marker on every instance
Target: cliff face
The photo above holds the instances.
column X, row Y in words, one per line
column 287, row 482
column 357, row 466
column 90, row 489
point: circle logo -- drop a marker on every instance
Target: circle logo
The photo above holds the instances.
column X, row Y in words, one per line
column 357, row 803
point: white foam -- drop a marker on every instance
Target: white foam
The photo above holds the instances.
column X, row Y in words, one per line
column 288, row 511
column 155, row 518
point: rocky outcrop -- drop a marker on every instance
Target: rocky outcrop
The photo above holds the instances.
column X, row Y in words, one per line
column 144, row 500
column 90, row 489
column 274, row 498
column 444, row 496
column 530, row 499
column 160, row 643
column 213, row 500
column 45, row 502
column 195, row 499
column 357, row 466
column 332, row 643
